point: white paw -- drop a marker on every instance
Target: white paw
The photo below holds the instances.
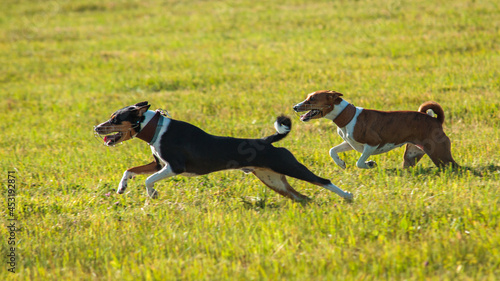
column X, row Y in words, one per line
column 339, row 162
column 348, row 196
column 366, row 165
column 153, row 193
column 122, row 186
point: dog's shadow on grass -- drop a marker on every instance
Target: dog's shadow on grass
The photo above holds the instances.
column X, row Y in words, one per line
column 480, row 171
column 257, row 203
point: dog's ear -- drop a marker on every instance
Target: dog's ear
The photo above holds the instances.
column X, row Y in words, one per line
column 334, row 93
column 142, row 107
column 140, row 104
column 333, row 96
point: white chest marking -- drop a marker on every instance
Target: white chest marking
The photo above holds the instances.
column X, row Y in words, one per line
column 346, row 133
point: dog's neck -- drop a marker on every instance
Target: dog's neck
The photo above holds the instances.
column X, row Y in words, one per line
column 148, row 116
column 343, row 115
column 337, row 109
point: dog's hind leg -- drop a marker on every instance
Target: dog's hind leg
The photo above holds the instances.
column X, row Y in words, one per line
column 278, row 183
column 344, row 194
column 289, row 166
column 343, row 147
column 412, row 155
column 367, row 152
column 440, row 152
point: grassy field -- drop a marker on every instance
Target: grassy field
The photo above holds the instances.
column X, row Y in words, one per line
column 231, row 67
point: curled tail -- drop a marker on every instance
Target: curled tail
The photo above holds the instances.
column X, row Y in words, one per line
column 283, row 126
column 434, row 106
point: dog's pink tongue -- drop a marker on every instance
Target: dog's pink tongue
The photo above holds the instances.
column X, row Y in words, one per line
column 105, row 139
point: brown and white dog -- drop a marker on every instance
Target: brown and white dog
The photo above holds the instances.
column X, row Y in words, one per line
column 374, row 132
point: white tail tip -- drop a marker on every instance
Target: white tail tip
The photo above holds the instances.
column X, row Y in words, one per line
column 280, row 128
column 431, row 112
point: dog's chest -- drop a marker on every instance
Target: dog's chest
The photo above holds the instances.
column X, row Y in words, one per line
column 155, row 152
column 346, row 135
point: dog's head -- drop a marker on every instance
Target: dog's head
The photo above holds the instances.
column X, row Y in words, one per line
column 123, row 124
column 318, row 104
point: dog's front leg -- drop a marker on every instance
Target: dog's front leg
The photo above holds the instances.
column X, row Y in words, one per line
column 164, row 173
column 130, row 173
column 367, row 151
column 343, row 147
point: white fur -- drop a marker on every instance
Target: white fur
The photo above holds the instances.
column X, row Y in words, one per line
column 164, row 173
column 280, row 128
column 344, row 194
column 123, row 182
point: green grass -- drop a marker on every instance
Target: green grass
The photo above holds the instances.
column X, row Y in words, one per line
column 231, row 67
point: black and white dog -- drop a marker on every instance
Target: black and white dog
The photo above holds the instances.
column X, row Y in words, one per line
column 180, row 148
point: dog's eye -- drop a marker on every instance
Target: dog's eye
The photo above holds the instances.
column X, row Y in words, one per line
column 113, row 121
column 311, row 99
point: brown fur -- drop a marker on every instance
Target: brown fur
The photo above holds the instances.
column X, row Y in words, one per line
column 375, row 127
column 279, row 183
column 423, row 133
column 150, row 168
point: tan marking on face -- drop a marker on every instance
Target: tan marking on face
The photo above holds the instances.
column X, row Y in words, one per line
column 125, row 129
column 108, row 128
column 323, row 101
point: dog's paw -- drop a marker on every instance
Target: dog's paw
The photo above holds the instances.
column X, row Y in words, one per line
column 371, row 164
column 339, row 162
column 122, row 186
column 348, row 197
column 153, row 194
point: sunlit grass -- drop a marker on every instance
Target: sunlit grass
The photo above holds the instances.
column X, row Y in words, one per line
column 231, row 67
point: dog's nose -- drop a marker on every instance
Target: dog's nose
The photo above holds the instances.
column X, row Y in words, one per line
column 296, row 107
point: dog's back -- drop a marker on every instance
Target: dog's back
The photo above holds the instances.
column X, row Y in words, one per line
column 197, row 152
column 375, row 127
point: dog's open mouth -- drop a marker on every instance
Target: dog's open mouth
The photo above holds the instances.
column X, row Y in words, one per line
column 309, row 115
column 112, row 139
